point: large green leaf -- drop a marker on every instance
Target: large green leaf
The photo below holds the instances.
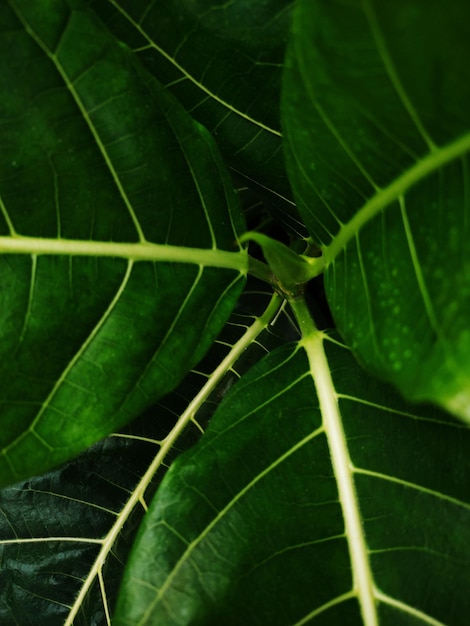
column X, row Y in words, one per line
column 223, row 61
column 97, row 159
column 316, row 496
column 65, row 536
column 378, row 126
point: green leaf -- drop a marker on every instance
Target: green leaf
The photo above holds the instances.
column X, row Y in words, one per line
column 65, row 536
column 377, row 122
column 97, row 158
column 223, row 61
column 316, row 495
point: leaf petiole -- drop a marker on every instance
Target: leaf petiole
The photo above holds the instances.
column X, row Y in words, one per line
column 133, row 251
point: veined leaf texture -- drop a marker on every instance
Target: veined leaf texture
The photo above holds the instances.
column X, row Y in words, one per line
column 196, row 428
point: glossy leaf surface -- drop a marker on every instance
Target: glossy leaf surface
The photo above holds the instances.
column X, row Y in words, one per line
column 255, row 524
column 378, row 127
column 316, row 495
column 94, row 150
column 224, row 62
column 65, row 536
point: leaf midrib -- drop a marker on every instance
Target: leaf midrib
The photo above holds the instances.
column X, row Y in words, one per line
column 144, row 251
column 398, row 187
column 319, row 369
column 138, row 494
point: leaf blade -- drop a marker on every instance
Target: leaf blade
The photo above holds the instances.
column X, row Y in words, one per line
column 86, row 513
column 119, row 167
column 258, row 497
column 381, row 177
column 223, row 67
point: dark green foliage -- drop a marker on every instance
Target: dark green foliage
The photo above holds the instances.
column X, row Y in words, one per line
column 181, row 445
